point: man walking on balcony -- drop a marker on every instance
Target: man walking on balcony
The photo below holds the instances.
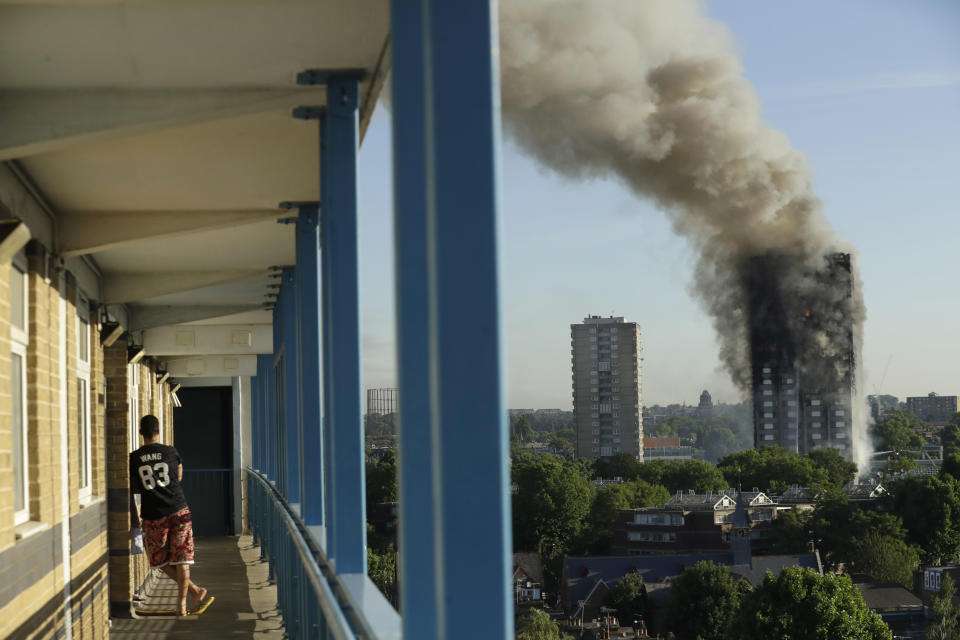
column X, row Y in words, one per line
column 155, row 473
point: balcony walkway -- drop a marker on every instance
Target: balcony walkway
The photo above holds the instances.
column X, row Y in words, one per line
column 231, row 570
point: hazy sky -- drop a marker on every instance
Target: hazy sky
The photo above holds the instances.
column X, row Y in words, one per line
column 868, row 89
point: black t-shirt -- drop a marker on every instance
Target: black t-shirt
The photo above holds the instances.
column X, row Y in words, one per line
column 153, row 474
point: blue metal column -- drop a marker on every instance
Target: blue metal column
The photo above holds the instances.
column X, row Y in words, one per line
column 346, row 535
column 273, row 399
column 291, row 384
column 308, row 339
column 416, row 564
column 468, row 422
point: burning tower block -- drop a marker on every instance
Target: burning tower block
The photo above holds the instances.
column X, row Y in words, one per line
column 802, row 351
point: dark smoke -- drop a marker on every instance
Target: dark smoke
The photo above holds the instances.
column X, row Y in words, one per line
column 651, row 92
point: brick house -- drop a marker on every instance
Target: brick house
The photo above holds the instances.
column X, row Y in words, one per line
column 691, row 523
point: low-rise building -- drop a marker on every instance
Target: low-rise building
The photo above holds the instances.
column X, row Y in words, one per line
column 692, row 523
column 668, row 448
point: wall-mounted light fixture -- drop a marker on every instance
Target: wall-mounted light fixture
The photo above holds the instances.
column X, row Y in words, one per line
column 110, row 333
column 13, row 235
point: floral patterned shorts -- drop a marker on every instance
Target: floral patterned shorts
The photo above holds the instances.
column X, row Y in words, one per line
column 169, row 540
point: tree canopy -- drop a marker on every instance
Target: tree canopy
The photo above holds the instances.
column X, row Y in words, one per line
column 682, row 475
column 771, row 469
column 800, row 604
column 537, row 625
column 884, row 558
column 610, row 500
column 629, row 598
column 382, row 480
column 930, row 509
column 552, row 501
column 703, row 600
column 898, row 432
column 943, row 624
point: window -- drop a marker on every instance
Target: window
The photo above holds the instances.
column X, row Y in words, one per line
column 815, row 414
column 767, row 381
column 840, row 423
column 768, row 436
column 83, row 395
column 838, row 412
column 791, row 403
column 615, row 379
column 789, row 380
column 841, row 434
column 604, row 407
column 133, row 398
column 19, row 339
column 595, row 423
column 768, row 425
column 768, row 414
column 814, row 425
column 814, row 403
column 594, row 397
column 767, row 392
column 766, row 369
column 767, row 403
column 616, row 389
column 816, row 436
column 595, row 432
column 604, row 365
column 791, row 414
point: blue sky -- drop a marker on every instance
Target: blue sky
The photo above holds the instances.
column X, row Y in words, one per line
column 869, row 90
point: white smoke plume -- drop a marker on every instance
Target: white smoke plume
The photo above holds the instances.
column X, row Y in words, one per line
column 651, row 92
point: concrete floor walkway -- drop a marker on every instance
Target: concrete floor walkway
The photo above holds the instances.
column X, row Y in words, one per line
column 231, row 570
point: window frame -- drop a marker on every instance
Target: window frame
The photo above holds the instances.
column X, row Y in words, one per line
column 19, row 342
column 133, row 402
column 85, row 483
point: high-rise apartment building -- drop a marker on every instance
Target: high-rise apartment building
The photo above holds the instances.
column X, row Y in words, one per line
column 799, row 407
column 607, row 387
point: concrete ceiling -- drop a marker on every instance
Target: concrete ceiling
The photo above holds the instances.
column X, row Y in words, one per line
column 166, row 125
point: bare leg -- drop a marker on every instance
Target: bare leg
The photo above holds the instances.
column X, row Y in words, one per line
column 198, row 593
column 183, row 586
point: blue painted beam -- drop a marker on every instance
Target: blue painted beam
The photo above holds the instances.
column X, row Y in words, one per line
column 291, row 385
column 346, row 533
column 308, row 326
column 416, row 541
column 469, row 420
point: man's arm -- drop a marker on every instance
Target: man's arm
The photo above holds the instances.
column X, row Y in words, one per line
column 134, row 513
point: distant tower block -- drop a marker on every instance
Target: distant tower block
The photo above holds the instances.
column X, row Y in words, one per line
column 383, row 401
column 607, row 397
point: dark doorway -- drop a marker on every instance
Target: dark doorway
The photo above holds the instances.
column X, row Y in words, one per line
column 203, row 434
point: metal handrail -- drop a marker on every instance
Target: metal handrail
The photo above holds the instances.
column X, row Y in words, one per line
column 313, row 563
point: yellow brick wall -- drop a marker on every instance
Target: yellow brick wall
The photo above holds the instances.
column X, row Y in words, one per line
column 34, row 607
column 43, row 396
